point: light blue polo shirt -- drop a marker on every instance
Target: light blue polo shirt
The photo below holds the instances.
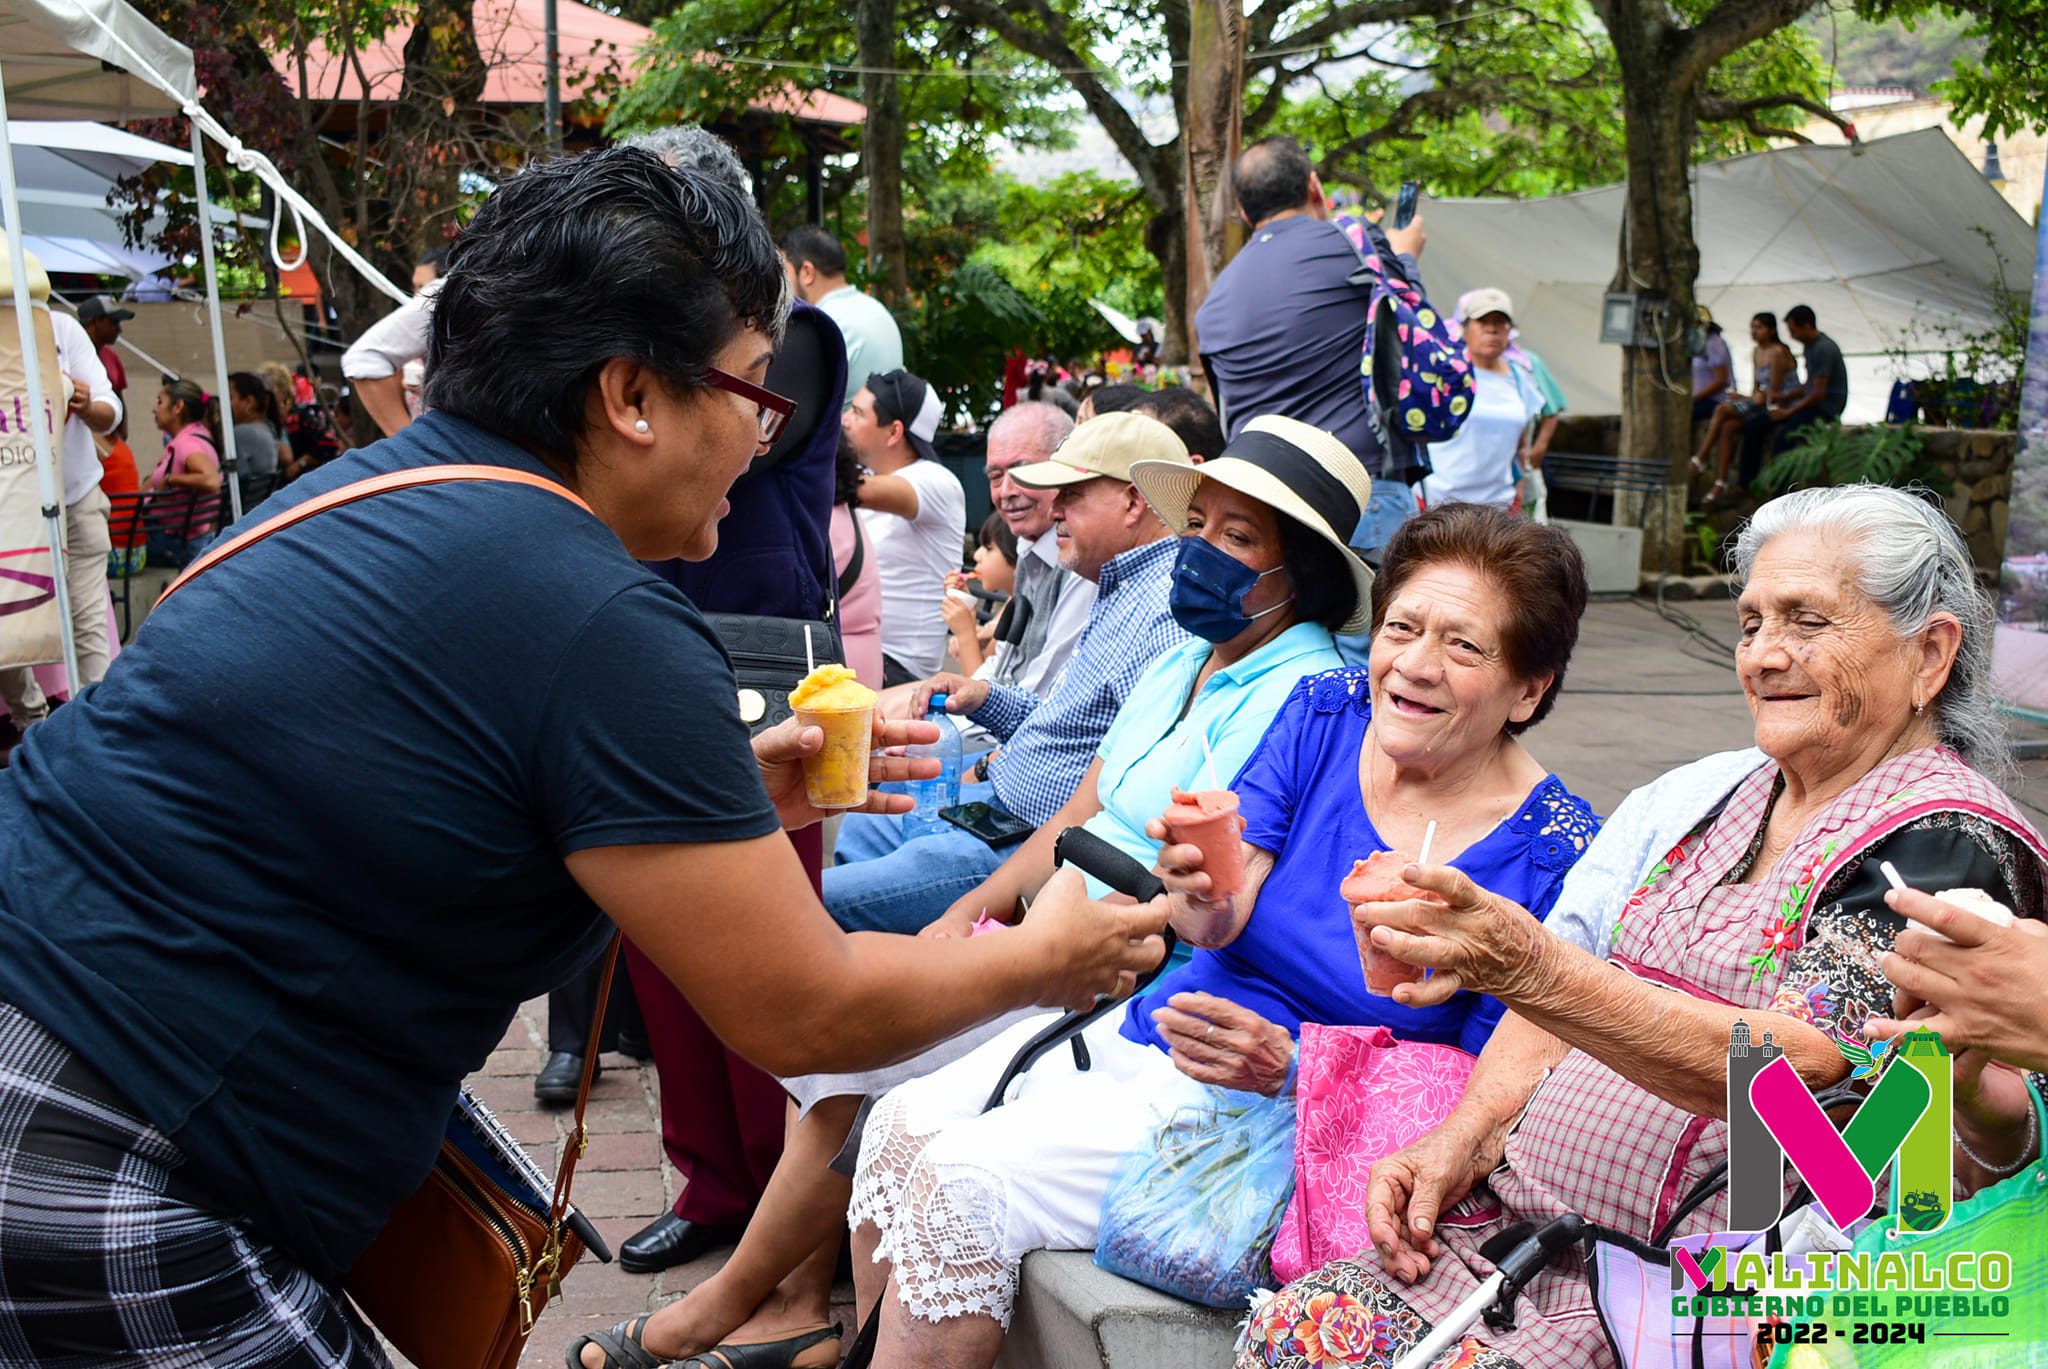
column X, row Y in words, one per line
column 1151, row 747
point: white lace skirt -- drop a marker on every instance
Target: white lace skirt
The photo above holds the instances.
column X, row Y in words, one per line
column 959, row 1196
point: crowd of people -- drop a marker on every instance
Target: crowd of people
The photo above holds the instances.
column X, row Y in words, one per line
column 225, row 1063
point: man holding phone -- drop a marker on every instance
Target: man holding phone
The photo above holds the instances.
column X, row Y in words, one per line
column 1283, row 328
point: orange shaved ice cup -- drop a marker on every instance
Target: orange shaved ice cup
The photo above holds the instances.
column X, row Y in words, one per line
column 1208, row 819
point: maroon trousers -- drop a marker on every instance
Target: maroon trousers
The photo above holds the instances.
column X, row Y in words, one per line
column 721, row 1118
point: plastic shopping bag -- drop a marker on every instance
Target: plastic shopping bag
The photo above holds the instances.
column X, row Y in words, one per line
column 1193, row 1212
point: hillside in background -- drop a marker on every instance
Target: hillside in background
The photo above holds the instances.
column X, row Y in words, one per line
column 1890, row 54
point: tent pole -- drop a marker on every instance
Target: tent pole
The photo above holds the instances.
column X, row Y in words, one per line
column 47, row 484
column 230, row 467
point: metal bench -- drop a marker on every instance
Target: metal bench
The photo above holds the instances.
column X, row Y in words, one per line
column 1590, row 482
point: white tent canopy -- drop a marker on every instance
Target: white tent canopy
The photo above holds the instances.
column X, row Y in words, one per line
column 64, row 171
column 77, row 59
column 1881, row 240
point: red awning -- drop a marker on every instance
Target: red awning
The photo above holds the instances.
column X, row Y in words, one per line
column 511, row 35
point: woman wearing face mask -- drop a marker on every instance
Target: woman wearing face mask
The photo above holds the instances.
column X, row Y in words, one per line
column 1473, row 616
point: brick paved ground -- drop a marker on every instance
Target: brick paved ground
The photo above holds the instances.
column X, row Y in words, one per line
column 1644, row 701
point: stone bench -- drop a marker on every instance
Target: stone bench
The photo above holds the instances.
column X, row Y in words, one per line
column 1071, row 1315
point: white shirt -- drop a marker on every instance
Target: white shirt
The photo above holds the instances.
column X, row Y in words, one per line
column 400, row 336
column 1069, row 616
column 874, row 345
column 1478, row 465
column 78, row 359
column 912, row 557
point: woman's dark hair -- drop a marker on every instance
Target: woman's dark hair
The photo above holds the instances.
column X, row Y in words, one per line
column 1713, row 328
column 846, row 475
column 249, row 385
column 575, row 261
column 194, row 405
column 1536, row 570
column 996, row 533
column 1767, row 319
column 1324, row 590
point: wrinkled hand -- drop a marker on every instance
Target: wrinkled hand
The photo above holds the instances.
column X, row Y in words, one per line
column 1411, row 1187
column 1983, row 985
column 780, row 752
column 1216, row 1041
column 1196, row 914
column 963, row 695
column 1409, row 241
column 1089, row 950
column 1474, row 940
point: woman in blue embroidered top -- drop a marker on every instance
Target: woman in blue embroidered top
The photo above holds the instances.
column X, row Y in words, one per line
column 1475, row 614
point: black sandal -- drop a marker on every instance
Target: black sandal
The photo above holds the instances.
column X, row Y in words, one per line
column 621, row 1345
column 761, row 1354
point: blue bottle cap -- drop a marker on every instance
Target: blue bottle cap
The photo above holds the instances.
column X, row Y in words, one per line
column 938, row 702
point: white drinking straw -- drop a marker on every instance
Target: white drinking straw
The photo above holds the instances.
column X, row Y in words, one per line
column 1428, row 836
column 1210, row 757
column 1892, row 874
column 810, row 660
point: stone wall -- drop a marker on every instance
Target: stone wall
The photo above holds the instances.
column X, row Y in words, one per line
column 1979, row 466
column 1975, row 462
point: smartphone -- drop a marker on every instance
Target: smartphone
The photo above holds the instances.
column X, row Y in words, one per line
column 991, row 825
column 1404, row 207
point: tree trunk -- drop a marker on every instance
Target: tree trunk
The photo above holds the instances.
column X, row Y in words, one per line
column 1211, row 123
column 1166, row 238
column 1658, row 258
column 881, row 151
column 429, row 144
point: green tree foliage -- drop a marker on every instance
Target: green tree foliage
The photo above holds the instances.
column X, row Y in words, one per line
column 2000, row 73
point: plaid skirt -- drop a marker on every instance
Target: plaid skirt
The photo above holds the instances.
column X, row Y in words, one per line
column 107, row 1258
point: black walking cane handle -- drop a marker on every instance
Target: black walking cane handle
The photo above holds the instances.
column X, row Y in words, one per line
column 1085, row 851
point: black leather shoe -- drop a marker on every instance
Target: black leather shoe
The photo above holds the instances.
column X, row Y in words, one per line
column 558, row 1080
column 639, row 1047
column 668, row 1241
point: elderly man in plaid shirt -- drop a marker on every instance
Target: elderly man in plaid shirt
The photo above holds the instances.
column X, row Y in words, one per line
column 1108, row 534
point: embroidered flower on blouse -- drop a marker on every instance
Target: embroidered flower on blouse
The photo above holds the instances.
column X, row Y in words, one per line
column 1336, row 691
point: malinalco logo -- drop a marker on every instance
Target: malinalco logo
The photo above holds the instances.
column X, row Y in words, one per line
column 1773, row 1117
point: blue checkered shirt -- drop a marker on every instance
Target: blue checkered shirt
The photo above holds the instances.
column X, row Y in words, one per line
column 1048, row 742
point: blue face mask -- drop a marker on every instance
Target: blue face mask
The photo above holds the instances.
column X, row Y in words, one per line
column 1209, row 585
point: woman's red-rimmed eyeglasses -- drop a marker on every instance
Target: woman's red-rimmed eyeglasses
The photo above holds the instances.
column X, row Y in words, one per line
column 775, row 408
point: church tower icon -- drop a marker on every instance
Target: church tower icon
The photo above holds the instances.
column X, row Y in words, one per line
column 1756, row 1165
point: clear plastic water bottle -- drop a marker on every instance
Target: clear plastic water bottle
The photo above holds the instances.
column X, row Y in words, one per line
column 934, row 794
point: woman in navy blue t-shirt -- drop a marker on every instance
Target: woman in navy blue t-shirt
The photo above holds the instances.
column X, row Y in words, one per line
column 271, row 889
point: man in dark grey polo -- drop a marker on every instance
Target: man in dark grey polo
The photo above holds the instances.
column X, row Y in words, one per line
column 1283, row 329
column 1826, row 392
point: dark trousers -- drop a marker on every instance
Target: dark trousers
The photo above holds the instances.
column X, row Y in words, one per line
column 721, row 1118
column 894, row 672
column 570, row 1007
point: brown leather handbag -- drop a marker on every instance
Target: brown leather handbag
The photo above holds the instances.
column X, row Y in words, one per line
column 462, row 1269
column 465, row 1265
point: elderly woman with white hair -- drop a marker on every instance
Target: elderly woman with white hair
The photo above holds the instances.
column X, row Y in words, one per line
column 1864, row 655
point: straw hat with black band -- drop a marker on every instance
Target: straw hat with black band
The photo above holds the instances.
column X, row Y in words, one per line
column 1292, row 468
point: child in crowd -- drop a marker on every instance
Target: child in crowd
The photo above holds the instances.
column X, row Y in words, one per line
column 995, row 569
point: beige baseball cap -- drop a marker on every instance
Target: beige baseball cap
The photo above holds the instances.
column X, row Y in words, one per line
column 1108, row 445
column 1488, row 299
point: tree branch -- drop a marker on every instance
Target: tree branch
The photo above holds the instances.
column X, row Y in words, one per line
column 1719, row 109
column 1339, row 22
column 1731, row 25
column 1049, row 45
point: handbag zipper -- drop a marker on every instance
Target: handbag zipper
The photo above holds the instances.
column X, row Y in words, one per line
column 522, row 1278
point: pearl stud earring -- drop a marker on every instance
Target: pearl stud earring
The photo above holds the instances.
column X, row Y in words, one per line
column 640, row 425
